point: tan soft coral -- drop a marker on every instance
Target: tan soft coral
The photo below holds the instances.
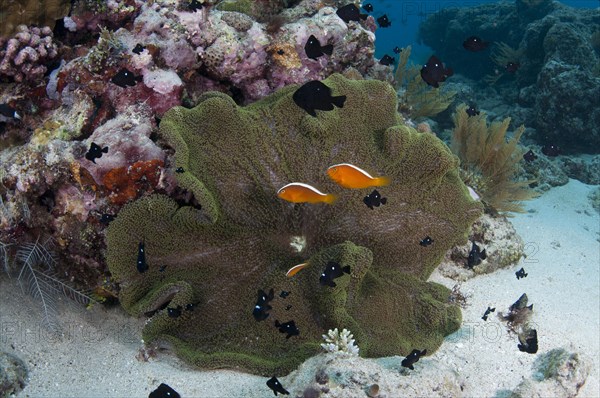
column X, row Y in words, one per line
column 489, row 163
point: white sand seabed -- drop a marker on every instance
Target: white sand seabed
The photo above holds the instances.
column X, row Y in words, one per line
column 97, row 356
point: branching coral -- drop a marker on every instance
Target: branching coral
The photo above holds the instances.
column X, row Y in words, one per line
column 25, row 56
column 418, row 99
column 240, row 237
column 340, row 342
column 489, row 163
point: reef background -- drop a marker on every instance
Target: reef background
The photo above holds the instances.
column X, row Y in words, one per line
column 47, row 186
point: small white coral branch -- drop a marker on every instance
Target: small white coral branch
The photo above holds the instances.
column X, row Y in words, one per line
column 342, row 343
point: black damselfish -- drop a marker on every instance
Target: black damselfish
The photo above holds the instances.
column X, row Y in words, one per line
column 106, row 218
column 288, row 327
column 8, row 113
column 397, row 50
column 487, row 312
column 125, row 78
column 195, row 5
column 384, row 21
column 95, row 152
column 434, row 72
column 315, row 95
column 349, row 13
column 141, row 258
column 164, row 391
column 521, row 273
column 368, row 7
column 413, row 357
column 387, row 60
column 474, row 43
column 551, row 150
column 332, row 270
column 138, row 49
column 528, row 341
column 476, row 255
column 512, row 67
column 179, row 170
column 314, row 49
column 284, row 294
column 276, row 386
column 472, row 111
column 374, row 199
column 174, row 312
column 426, row 241
column 529, row 156
column 262, row 305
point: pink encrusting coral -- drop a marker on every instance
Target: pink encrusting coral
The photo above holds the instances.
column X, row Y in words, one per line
column 166, row 89
column 24, row 56
column 257, row 62
column 127, row 137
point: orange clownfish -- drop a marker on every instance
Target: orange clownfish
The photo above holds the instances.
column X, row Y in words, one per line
column 350, row 176
column 297, row 192
column 295, row 269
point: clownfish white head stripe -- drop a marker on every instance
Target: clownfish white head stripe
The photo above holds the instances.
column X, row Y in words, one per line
column 352, row 166
column 300, row 184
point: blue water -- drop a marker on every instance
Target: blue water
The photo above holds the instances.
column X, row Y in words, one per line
column 406, row 16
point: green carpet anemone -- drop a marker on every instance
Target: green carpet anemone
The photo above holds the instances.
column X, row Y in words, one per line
column 243, row 238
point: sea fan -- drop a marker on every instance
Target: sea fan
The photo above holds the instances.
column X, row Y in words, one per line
column 37, row 279
column 490, row 162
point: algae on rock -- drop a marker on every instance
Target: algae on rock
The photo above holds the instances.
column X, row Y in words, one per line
column 243, row 238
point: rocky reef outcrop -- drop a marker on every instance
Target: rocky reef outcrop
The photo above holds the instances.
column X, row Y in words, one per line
column 558, row 51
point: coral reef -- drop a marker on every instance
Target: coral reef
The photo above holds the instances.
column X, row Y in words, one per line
column 556, row 373
column 128, row 138
column 489, row 163
column 340, row 342
column 336, row 376
column 238, row 237
column 174, row 55
column 504, row 248
column 25, row 56
column 13, row 374
column 557, row 78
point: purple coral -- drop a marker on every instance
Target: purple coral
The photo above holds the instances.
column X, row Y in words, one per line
column 127, row 137
column 24, row 56
column 239, row 50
